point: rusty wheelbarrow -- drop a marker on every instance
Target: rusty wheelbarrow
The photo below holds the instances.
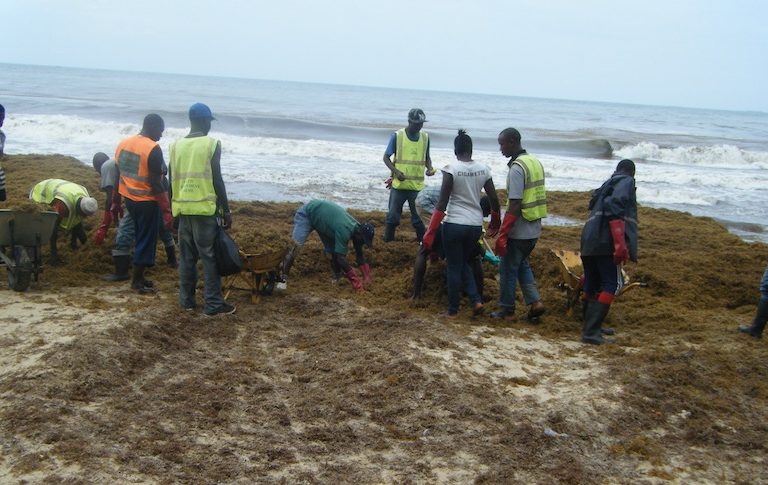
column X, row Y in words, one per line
column 571, row 271
column 21, row 237
column 260, row 273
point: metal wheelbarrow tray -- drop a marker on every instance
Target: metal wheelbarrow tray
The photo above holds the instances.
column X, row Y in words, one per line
column 259, row 274
column 21, row 237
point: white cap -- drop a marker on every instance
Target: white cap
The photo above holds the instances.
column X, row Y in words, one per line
column 88, row 206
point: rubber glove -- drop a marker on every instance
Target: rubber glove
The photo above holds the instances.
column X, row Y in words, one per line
column 495, row 224
column 354, row 279
column 117, row 207
column 506, row 226
column 367, row 276
column 620, row 252
column 434, row 223
column 165, row 208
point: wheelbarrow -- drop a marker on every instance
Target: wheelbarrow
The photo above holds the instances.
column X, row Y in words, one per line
column 260, row 273
column 21, row 237
column 571, row 271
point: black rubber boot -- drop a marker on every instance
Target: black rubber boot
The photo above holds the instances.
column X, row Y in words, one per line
column 122, row 263
column 142, row 286
column 593, row 321
column 389, row 232
column 170, row 253
column 758, row 324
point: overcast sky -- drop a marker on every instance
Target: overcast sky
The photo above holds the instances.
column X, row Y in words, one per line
column 707, row 53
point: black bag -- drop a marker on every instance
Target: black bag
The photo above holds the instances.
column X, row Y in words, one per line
column 227, row 253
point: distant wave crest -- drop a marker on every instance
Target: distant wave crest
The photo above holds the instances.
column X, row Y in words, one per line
column 702, row 155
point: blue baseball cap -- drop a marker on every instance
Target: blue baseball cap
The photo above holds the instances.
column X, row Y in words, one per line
column 367, row 231
column 200, row 111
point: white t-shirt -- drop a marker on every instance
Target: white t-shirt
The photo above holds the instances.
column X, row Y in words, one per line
column 468, row 181
column 109, row 176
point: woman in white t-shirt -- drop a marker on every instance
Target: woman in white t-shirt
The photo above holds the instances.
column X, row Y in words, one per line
column 463, row 182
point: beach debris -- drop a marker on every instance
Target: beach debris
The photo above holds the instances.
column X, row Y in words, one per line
column 554, row 434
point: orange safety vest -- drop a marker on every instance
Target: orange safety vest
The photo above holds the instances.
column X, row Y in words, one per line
column 132, row 157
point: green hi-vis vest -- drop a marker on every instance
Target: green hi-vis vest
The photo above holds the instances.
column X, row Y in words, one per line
column 48, row 190
column 191, row 176
column 534, row 203
column 410, row 158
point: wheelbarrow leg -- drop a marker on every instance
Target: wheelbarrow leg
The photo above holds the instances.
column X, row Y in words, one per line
column 255, row 287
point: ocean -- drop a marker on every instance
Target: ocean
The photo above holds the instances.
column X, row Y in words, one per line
column 291, row 141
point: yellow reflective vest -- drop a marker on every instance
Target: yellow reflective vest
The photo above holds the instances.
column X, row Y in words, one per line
column 191, row 176
column 410, row 158
column 534, row 203
column 48, row 190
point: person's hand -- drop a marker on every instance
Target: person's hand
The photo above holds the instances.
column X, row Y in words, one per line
column 165, row 209
column 357, row 284
column 388, row 183
column 620, row 251
column 117, row 212
column 400, row 175
column 227, row 220
column 501, row 246
column 495, row 224
column 434, row 224
column 431, row 171
column 101, row 233
column 367, row 276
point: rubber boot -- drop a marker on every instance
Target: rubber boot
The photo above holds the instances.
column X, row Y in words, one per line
column 758, row 324
column 389, row 232
column 170, row 253
column 122, row 263
column 593, row 321
column 142, row 286
column 603, row 330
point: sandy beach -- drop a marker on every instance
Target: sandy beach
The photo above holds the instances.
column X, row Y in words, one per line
column 317, row 384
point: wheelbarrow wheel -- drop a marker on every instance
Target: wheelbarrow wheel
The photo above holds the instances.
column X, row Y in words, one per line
column 19, row 279
column 20, row 274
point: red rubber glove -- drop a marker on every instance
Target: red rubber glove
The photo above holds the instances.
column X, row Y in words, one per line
column 620, row 252
column 494, row 225
column 117, row 207
column 354, row 279
column 165, row 208
column 506, row 226
column 101, row 232
column 434, row 223
column 367, row 276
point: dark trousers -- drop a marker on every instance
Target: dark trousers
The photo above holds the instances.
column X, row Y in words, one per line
column 146, row 219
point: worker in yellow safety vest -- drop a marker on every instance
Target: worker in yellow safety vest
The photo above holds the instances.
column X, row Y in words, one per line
column 410, row 148
column 71, row 202
column 521, row 228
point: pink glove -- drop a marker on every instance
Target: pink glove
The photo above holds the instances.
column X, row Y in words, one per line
column 367, row 276
column 354, row 279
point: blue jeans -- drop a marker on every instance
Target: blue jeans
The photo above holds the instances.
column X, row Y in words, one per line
column 146, row 220
column 764, row 286
column 460, row 244
column 514, row 267
column 196, row 236
column 396, row 200
column 126, row 235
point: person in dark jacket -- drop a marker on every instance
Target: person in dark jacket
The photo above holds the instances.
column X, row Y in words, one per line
column 608, row 240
